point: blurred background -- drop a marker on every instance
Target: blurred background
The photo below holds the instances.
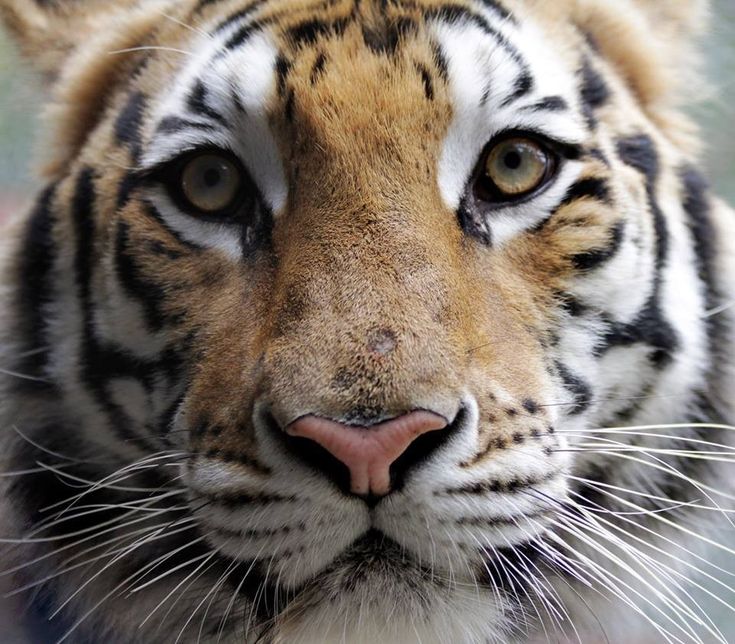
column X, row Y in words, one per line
column 20, row 103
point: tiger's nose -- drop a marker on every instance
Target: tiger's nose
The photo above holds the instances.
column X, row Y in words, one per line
column 369, row 452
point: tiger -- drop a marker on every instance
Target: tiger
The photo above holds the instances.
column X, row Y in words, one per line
column 358, row 321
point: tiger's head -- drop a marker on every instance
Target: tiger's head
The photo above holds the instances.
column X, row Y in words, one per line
column 358, row 290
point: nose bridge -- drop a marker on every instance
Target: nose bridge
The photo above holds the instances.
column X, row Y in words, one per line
column 366, row 237
column 366, row 317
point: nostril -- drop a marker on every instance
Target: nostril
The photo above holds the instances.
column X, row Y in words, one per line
column 370, row 454
column 422, row 449
column 313, row 454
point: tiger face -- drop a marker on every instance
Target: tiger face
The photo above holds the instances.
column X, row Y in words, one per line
column 346, row 295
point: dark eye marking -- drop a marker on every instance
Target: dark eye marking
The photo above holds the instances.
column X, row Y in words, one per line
column 593, row 187
column 594, row 258
column 197, row 103
column 175, row 124
column 549, row 104
column 426, row 80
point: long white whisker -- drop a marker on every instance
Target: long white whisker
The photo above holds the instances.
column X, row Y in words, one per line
column 674, row 571
column 130, row 50
column 206, row 557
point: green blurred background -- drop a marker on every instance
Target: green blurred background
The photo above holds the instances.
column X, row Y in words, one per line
column 20, row 104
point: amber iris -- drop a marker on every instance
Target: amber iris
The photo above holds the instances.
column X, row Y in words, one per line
column 516, row 167
column 210, row 182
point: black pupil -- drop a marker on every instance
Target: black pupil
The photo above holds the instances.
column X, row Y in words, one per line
column 212, row 177
column 513, row 160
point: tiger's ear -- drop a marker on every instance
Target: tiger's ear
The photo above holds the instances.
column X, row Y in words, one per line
column 652, row 43
column 49, row 32
column 73, row 43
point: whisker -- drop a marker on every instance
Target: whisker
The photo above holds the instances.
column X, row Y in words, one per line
column 684, row 562
column 660, row 597
column 671, row 570
column 719, row 310
column 65, row 569
column 651, row 497
column 626, row 547
column 129, row 50
column 23, row 376
column 45, row 450
column 173, row 19
column 89, row 612
column 205, row 559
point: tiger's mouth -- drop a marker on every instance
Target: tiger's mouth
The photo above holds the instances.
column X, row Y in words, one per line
column 376, row 567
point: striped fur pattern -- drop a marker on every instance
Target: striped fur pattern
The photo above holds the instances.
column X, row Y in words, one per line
column 151, row 358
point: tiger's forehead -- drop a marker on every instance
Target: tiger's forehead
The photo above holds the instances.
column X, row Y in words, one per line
column 361, row 87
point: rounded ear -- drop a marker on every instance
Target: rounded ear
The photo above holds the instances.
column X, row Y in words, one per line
column 72, row 43
column 49, row 32
column 652, row 43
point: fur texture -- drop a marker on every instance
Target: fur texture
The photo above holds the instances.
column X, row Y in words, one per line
column 152, row 358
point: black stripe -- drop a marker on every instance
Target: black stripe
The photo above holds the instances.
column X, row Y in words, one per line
column 457, row 14
column 128, row 184
column 318, row 68
column 426, row 80
column 650, row 326
column 590, row 187
column 98, row 364
column 581, row 391
column 283, row 69
column 549, row 104
column 197, row 103
column 440, row 60
column 84, row 228
column 129, row 122
column 38, row 253
column 572, row 305
column 386, row 39
column 595, row 258
column 237, row 102
column 473, row 222
column 307, row 32
column 176, row 124
column 499, row 9
column 697, row 207
column 522, row 86
column 238, row 16
column 242, row 35
column 288, row 109
column 150, row 295
column 594, row 94
column 185, row 244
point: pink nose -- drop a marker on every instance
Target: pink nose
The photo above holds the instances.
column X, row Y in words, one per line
column 368, row 452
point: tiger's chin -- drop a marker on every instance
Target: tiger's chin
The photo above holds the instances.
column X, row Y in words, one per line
column 375, row 592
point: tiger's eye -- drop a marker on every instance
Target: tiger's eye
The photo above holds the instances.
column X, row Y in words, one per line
column 210, row 182
column 516, row 167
